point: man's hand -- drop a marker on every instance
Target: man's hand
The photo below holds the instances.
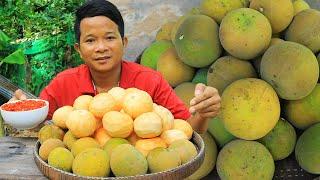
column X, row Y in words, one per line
column 18, row 95
column 203, row 107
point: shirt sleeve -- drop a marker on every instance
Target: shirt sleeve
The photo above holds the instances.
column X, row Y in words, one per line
column 165, row 96
column 48, row 94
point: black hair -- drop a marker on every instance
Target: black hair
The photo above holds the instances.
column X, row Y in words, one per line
column 98, row 8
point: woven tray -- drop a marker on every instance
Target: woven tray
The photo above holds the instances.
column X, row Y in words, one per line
column 180, row 172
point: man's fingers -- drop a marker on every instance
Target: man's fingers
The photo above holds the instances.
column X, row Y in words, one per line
column 199, row 89
column 18, row 95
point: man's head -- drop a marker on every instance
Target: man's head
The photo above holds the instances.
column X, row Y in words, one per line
column 94, row 8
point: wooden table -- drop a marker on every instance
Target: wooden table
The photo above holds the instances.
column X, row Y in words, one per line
column 16, row 159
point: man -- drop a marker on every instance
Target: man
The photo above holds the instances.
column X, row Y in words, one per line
column 99, row 30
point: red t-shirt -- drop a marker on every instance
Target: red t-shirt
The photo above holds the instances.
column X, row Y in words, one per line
column 71, row 83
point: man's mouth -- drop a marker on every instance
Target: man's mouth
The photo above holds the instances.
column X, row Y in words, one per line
column 104, row 58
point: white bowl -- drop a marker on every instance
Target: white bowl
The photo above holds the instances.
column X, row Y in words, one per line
column 25, row 119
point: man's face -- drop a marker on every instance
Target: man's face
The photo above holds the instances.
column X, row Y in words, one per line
column 101, row 46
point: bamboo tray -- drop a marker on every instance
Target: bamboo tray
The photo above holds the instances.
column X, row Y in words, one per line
column 179, row 172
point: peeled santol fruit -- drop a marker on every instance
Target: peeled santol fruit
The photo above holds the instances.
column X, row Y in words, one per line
column 169, row 136
column 165, row 115
column 137, row 102
column 117, row 124
column 146, row 145
column 101, row 136
column 148, row 125
column 60, row 115
column 81, row 123
column 184, row 126
column 118, row 94
column 101, row 104
column 82, row 102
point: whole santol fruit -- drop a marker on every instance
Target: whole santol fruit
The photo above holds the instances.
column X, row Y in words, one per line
column 186, row 150
column 291, row 69
column 117, row 124
column 241, row 159
column 69, row 139
column 113, row 143
column 250, row 108
column 280, row 141
column 50, row 131
column 59, row 116
column 164, row 32
column 47, row 146
column 304, row 112
column 173, row 69
column 162, row 159
column 210, row 157
column 126, row 160
column 82, row 102
column 91, row 162
column 151, row 55
column 61, row 158
column 279, row 13
column 304, row 29
column 185, row 91
column 308, row 149
column 300, row 5
column 228, row 69
column 245, row 33
column 218, row 131
column 201, row 76
column 81, row 123
column 83, row 144
column 217, row 9
column 198, row 47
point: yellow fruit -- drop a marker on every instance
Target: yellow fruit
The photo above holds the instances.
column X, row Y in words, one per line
column 81, row 123
column 61, row 158
column 101, row 104
column 184, row 126
column 164, row 32
column 169, row 136
column 185, row 92
column 117, row 124
column 300, row 5
column 83, row 144
column 60, row 115
column 47, row 146
column 148, row 125
column 101, row 136
column 69, row 139
column 92, row 162
column 50, row 131
column 98, row 122
column 133, row 138
column 162, row 159
column 113, row 143
column 118, row 94
column 146, row 145
column 165, row 115
column 82, row 102
column 185, row 149
column 137, row 102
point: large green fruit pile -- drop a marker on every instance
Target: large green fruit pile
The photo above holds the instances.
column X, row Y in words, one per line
column 263, row 57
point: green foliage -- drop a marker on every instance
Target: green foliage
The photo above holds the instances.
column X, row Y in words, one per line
column 43, row 28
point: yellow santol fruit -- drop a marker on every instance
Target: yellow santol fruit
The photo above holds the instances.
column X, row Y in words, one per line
column 279, row 13
column 217, row 9
column 173, row 69
column 92, row 162
column 60, row 115
column 228, row 69
column 69, row 139
column 185, row 91
column 47, row 146
column 118, row 94
column 117, row 124
column 102, row 136
column 291, row 69
column 250, row 108
column 148, row 125
column 162, row 159
column 101, row 104
column 50, row 131
column 83, row 144
column 164, row 32
column 304, row 29
column 165, row 115
column 81, row 123
column 169, row 136
column 82, row 102
column 186, row 150
column 126, row 160
column 113, row 143
column 245, row 33
column 61, row 158
column 133, row 138
column 137, row 102
column 98, row 122
column 210, row 157
column 300, row 5
column 275, row 41
column 184, row 126
column 146, row 145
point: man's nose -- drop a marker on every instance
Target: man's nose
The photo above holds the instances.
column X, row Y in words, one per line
column 101, row 46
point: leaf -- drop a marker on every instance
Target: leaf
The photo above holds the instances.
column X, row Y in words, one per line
column 15, row 58
column 4, row 40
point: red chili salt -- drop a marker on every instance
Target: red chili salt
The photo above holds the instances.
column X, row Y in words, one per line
column 24, row 105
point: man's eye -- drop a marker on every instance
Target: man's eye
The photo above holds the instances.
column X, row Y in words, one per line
column 89, row 40
column 111, row 37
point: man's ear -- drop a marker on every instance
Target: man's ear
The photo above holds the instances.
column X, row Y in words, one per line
column 77, row 48
column 125, row 41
